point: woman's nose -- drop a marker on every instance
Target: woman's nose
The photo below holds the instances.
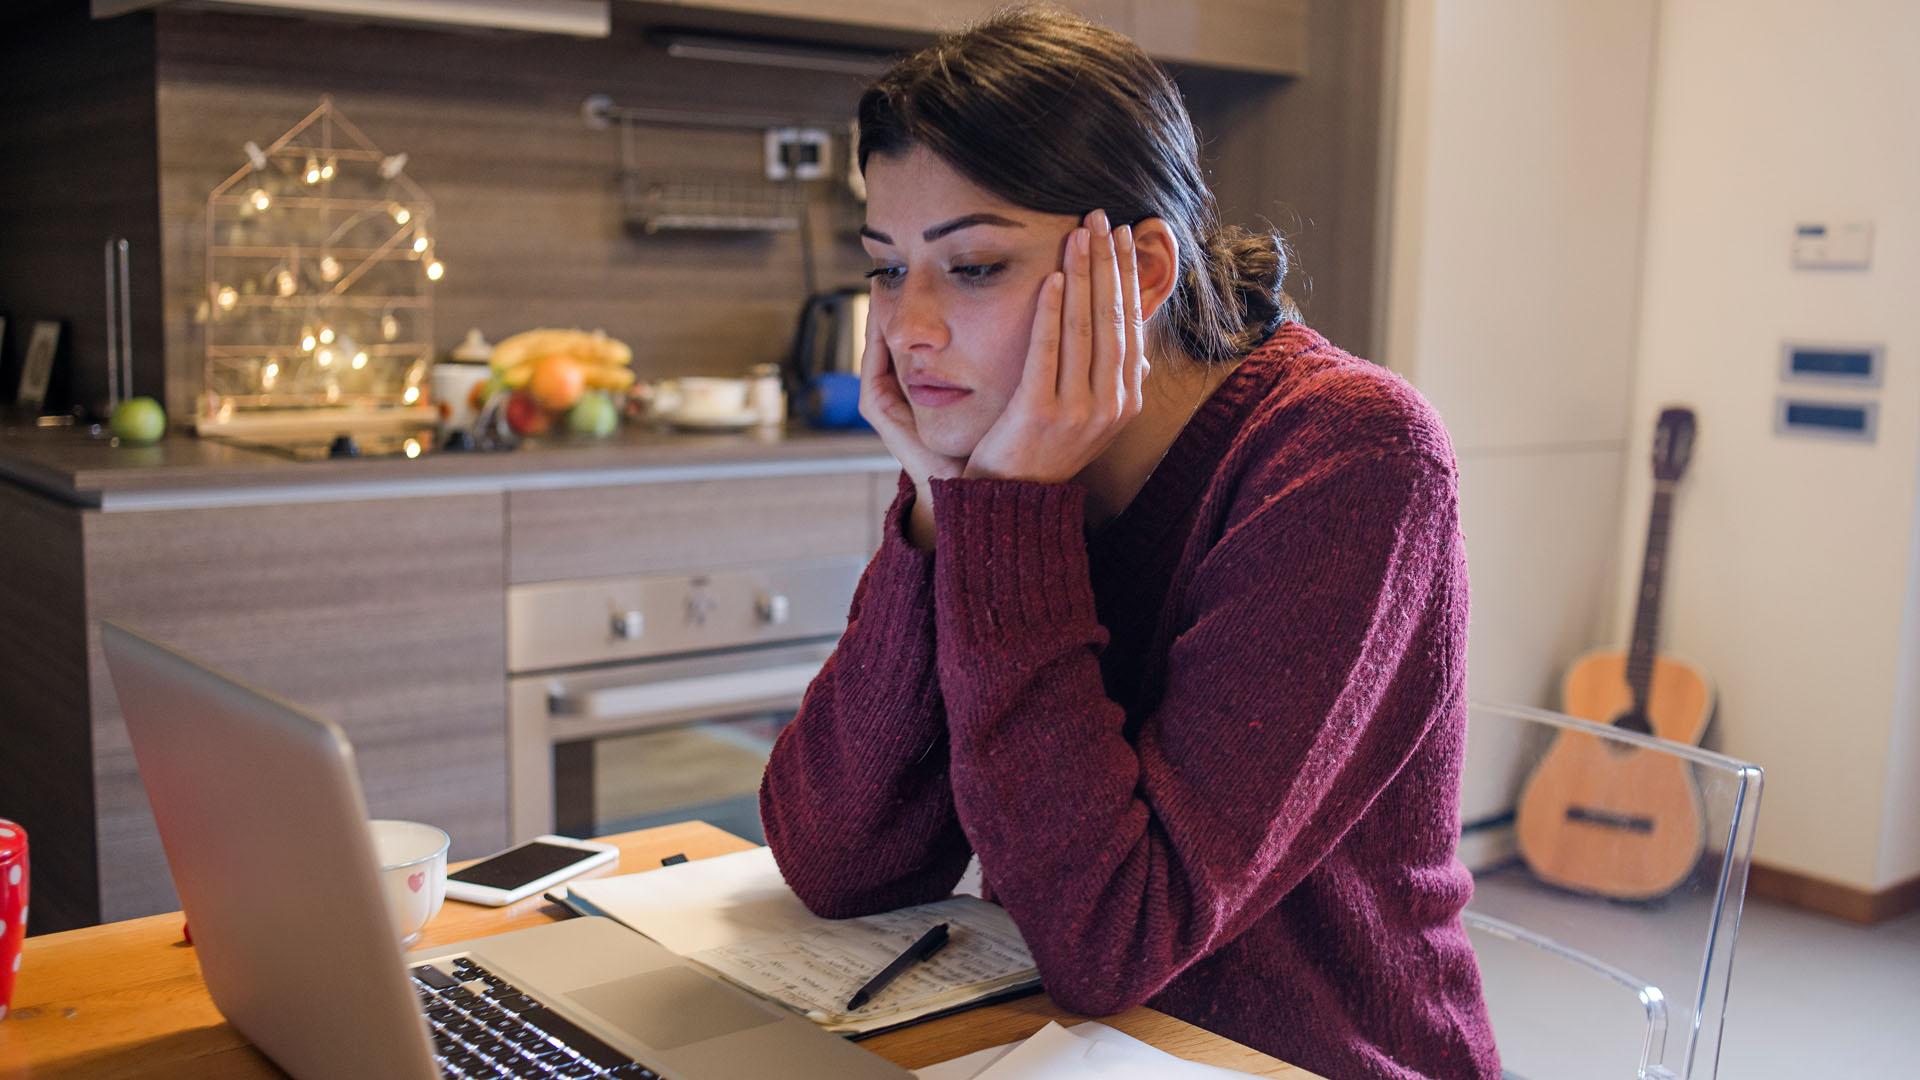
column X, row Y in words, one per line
column 914, row 320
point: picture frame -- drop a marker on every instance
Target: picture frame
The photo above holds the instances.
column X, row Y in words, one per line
column 37, row 368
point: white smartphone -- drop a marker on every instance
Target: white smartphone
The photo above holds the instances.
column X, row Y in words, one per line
column 525, row 869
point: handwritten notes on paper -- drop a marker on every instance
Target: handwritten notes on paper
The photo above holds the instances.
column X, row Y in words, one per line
column 819, row 970
column 735, row 915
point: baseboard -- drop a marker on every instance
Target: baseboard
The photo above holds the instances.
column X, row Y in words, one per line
column 1487, row 845
column 1857, row 905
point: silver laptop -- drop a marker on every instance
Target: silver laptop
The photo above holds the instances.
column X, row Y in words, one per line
column 261, row 815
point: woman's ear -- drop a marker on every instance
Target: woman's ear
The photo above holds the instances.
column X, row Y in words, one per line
column 1156, row 257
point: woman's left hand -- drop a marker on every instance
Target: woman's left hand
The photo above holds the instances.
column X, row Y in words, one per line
column 1086, row 365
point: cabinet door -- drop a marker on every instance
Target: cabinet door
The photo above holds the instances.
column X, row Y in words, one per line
column 385, row 616
column 929, row 16
column 690, row 526
column 1244, row 35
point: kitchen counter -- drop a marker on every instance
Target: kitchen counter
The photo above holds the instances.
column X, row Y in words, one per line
column 185, row 472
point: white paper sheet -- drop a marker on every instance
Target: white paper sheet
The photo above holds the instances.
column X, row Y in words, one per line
column 1089, row 1051
column 705, row 904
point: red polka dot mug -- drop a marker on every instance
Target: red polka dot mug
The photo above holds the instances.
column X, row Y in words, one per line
column 13, row 907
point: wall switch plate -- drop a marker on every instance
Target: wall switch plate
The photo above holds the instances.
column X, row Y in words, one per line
column 1833, row 245
column 1835, row 365
column 1852, row 420
column 797, row 153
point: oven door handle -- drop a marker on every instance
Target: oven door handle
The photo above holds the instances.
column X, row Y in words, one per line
column 588, row 713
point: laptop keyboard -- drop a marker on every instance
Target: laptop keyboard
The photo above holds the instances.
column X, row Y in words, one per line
column 484, row 1026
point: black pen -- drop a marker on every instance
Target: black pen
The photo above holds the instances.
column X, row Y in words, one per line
column 928, row 944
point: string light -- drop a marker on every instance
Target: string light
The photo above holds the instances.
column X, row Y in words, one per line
column 326, row 171
column 413, row 448
column 389, row 326
column 329, row 268
column 326, row 335
column 259, row 199
column 435, row 268
column 312, row 173
column 306, row 341
column 421, row 243
column 401, row 215
column 359, row 360
column 226, row 297
column 324, row 357
column 285, row 283
column 411, row 395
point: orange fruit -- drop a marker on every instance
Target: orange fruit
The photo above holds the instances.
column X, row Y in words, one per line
column 557, row 382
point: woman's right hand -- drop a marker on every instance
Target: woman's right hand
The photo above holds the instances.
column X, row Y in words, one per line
column 884, row 405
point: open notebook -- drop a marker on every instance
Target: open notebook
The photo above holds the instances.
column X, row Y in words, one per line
column 735, row 915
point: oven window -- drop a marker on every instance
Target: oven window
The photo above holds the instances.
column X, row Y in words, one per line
column 706, row 771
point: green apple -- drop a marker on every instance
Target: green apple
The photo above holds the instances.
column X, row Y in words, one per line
column 139, row 420
column 594, row 414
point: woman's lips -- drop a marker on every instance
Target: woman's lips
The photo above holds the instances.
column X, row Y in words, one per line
column 933, row 394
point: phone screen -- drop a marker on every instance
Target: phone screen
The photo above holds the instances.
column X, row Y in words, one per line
column 513, row 868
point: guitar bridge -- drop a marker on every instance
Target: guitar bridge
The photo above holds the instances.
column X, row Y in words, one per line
column 1606, row 820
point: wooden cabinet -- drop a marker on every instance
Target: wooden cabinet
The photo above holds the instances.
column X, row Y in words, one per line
column 383, row 616
column 635, row 529
column 1266, row 36
column 926, row 16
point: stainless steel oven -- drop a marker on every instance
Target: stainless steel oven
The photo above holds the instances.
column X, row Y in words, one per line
column 640, row 701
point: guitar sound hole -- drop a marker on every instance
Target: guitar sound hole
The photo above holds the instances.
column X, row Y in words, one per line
column 1633, row 721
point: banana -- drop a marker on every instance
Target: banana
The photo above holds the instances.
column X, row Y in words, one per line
column 593, row 350
column 607, row 377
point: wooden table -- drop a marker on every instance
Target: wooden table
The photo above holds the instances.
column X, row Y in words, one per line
column 126, row 999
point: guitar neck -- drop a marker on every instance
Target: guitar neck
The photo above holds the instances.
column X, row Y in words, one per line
column 1646, row 617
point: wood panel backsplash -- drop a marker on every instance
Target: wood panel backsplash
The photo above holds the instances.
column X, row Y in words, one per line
column 526, row 197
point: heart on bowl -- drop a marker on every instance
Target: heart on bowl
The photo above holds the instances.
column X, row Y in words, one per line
column 414, row 881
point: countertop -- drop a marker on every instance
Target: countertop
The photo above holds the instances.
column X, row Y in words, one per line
column 183, row 471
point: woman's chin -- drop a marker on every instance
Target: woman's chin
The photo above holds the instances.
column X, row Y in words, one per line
column 949, row 443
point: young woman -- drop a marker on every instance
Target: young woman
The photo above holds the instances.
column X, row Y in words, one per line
column 1169, row 622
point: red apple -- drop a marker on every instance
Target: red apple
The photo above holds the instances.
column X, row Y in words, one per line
column 525, row 416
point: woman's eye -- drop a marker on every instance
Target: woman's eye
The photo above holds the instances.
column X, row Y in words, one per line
column 978, row 272
column 886, row 277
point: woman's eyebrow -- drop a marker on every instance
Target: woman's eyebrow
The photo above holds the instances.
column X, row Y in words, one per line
column 945, row 227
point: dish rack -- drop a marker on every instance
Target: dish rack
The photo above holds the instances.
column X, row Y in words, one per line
column 712, row 201
column 656, row 200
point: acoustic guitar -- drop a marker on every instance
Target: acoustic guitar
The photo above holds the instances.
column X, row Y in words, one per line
column 1620, row 821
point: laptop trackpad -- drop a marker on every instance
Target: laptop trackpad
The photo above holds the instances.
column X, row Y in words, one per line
column 673, row 1007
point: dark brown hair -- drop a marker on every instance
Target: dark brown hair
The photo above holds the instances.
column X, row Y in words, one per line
column 1058, row 115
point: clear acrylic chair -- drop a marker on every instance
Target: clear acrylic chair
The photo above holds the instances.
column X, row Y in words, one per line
column 1603, row 917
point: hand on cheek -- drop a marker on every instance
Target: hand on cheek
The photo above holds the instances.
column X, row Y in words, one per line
column 884, row 404
column 1085, row 368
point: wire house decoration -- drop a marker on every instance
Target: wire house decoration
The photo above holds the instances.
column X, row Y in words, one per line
column 320, row 271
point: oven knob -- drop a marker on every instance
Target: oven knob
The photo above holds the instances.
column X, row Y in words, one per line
column 699, row 606
column 773, row 608
column 629, row 625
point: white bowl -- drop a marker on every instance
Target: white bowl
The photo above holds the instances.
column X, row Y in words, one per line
column 703, row 397
column 413, row 873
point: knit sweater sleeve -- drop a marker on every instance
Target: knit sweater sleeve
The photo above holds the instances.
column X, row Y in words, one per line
column 1311, row 619
column 856, row 800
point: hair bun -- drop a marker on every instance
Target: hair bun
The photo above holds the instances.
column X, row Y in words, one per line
column 1251, row 267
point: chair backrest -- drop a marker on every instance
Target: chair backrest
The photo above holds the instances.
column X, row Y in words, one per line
column 1609, row 872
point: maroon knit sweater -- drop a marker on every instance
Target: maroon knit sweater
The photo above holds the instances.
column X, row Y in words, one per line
column 1209, row 755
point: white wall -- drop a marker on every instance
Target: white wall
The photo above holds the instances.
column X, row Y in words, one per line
column 1791, row 575
column 1516, row 187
